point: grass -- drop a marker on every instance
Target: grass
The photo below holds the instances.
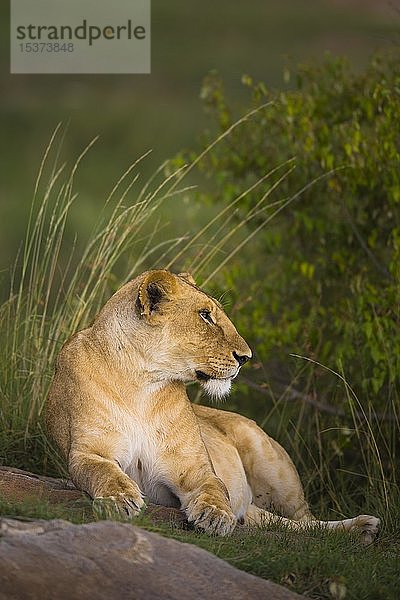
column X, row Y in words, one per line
column 57, row 289
column 316, row 563
column 346, row 453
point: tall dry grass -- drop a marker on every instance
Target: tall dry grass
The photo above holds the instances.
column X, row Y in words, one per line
column 56, row 290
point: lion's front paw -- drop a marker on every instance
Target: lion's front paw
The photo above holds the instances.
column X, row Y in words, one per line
column 368, row 527
column 118, row 505
column 211, row 516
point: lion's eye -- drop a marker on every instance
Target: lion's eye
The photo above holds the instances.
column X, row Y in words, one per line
column 206, row 316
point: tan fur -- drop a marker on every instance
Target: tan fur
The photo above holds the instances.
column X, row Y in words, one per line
column 119, row 411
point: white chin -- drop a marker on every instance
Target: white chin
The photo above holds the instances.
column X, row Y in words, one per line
column 217, row 388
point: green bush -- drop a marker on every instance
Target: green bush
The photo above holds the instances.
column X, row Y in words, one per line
column 325, row 280
column 322, row 279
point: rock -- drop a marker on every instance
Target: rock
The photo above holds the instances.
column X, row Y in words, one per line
column 56, row 560
column 18, row 486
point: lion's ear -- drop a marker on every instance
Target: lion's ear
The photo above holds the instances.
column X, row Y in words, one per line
column 187, row 277
column 156, row 288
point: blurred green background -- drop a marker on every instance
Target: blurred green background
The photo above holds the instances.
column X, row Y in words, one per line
column 162, row 111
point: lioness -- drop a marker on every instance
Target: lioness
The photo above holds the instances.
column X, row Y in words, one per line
column 119, row 411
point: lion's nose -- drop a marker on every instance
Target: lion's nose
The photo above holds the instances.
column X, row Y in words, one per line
column 241, row 358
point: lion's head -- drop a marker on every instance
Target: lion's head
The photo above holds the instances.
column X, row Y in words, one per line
column 179, row 332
